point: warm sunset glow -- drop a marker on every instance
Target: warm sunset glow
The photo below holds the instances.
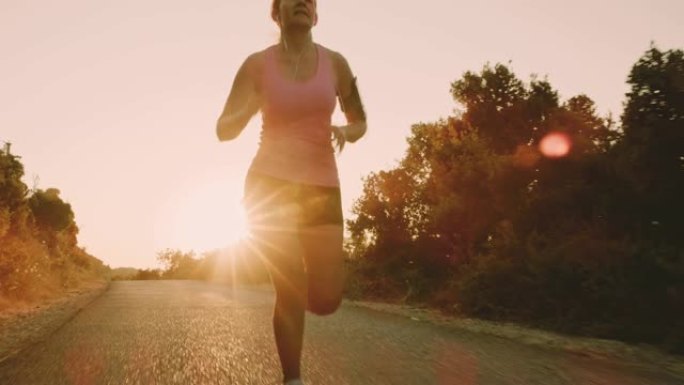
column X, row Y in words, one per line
column 555, row 145
column 201, row 218
column 151, row 77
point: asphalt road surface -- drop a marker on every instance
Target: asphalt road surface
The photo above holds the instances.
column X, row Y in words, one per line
column 173, row 332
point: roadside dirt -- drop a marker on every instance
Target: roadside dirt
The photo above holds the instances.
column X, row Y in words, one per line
column 634, row 355
column 23, row 327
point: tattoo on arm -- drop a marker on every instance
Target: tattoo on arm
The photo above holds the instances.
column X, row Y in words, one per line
column 351, row 104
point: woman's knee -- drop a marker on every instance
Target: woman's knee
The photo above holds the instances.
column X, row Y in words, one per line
column 323, row 305
column 325, row 292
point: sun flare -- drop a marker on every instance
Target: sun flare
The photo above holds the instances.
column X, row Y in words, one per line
column 555, row 145
column 201, row 218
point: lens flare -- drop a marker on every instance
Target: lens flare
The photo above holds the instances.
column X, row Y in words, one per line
column 203, row 216
column 555, row 145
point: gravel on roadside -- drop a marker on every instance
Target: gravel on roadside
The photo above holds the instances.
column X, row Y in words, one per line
column 600, row 349
column 19, row 330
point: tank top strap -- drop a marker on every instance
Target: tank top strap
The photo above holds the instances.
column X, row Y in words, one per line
column 270, row 65
column 324, row 71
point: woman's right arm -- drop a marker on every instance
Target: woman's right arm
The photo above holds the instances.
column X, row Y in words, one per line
column 243, row 102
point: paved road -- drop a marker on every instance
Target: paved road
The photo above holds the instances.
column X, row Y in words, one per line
column 197, row 333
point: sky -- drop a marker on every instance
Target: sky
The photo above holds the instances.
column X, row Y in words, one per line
column 115, row 102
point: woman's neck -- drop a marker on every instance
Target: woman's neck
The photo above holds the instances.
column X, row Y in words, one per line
column 296, row 41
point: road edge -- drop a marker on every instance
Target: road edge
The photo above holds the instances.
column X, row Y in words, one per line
column 25, row 329
column 600, row 349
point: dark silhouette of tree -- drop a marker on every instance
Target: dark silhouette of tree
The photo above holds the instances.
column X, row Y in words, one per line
column 50, row 211
column 12, row 190
column 476, row 217
column 178, row 264
column 147, row 274
column 652, row 150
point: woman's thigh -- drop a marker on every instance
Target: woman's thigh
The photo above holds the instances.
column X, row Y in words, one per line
column 324, row 260
column 298, row 232
column 321, row 235
column 272, row 214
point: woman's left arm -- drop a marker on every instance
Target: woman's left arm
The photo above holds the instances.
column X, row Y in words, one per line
column 350, row 102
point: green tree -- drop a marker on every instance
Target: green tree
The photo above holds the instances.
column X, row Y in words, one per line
column 503, row 109
column 38, row 246
column 50, row 211
column 12, row 189
column 14, row 215
column 651, row 158
column 178, row 264
column 652, row 150
column 147, row 274
column 589, row 242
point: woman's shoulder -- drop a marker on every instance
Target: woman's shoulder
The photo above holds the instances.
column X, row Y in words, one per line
column 257, row 58
column 254, row 63
column 336, row 57
column 339, row 62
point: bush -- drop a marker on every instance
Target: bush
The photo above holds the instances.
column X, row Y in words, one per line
column 39, row 255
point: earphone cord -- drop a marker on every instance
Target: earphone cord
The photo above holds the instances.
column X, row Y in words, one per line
column 299, row 58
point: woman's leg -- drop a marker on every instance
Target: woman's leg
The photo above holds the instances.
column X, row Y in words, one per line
column 306, row 263
column 273, row 218
column 317, row 287
column 283, row 254
column 324, row 258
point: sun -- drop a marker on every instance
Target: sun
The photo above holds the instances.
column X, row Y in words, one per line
column 202, row 217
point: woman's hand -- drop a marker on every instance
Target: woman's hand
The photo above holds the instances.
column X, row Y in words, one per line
column 339, row 137
column 349, row 133
column 231, row 124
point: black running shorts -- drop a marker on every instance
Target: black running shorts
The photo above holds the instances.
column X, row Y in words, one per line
column 272, row 203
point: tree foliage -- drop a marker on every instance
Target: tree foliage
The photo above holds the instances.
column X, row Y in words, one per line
column 177, row 264
column 39, row 252
column 236, row 264
column 476, row 217
column 50, row 211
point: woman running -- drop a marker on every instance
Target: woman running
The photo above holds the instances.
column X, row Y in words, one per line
column 292, row 190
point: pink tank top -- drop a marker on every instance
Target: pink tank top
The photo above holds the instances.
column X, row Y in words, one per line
column 295, row 137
